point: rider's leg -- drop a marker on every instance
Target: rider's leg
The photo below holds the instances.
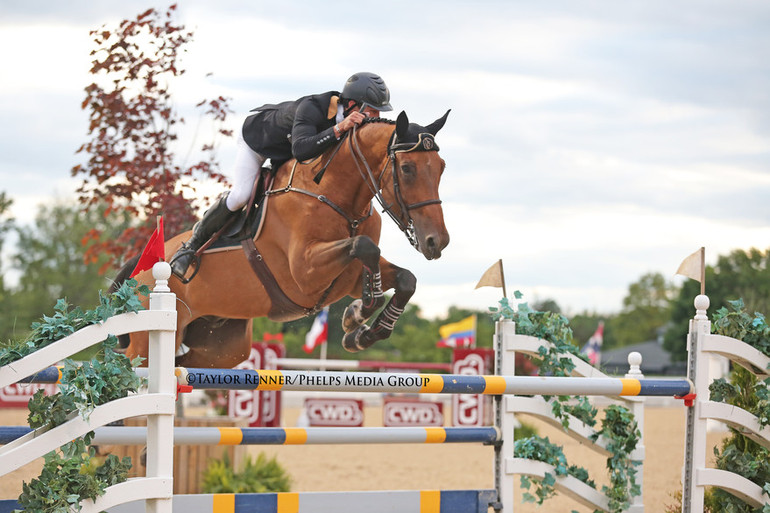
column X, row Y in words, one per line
column 214, row 219
column 247, row 167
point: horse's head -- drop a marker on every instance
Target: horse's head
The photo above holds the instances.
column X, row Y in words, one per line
column 411, row 188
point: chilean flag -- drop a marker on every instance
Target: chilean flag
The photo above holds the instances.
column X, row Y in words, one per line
column 319, row 331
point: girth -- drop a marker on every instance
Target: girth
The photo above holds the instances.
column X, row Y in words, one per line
column 282, row 308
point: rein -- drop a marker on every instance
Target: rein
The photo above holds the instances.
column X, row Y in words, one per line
column 375, row 185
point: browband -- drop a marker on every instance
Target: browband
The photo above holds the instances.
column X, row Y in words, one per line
column 425, row 142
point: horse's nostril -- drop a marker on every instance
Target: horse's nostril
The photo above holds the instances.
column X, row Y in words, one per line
column 430, row 242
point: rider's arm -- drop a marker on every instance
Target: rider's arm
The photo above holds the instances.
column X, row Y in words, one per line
column 306, row 140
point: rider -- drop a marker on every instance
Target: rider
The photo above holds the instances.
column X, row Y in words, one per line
column 302, row 129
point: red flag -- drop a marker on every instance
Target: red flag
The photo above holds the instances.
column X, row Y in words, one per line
column 154, row 251
column 267, row 337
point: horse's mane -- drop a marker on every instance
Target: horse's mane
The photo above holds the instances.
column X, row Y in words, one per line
column 367, row 121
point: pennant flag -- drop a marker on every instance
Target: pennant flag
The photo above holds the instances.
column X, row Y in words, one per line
column 267, row 337
column 319, row 331
column 593, row 348
column 694, row 266
column 458, row 334
column 154, row 251
column 493, row 277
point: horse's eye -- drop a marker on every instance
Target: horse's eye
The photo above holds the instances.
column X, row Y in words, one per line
column 408, row 169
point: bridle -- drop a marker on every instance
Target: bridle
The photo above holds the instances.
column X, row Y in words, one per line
column 425, row 142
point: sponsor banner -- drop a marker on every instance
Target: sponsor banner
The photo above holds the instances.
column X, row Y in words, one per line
column 259, row 408
column 19, row 394
column 472, row 410
column 399, row 412
column 335, row 412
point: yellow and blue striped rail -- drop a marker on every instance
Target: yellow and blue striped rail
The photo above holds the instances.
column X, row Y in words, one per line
column 325, row 381
column 419, row 501
column 137, row 435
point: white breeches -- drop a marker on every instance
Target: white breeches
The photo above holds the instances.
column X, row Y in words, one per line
column 248, row 163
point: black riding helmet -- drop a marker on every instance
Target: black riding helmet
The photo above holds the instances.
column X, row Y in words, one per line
column 367, row 89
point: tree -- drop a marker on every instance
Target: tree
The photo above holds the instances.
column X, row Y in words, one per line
column 743, row 274
column 6, row 224
column 131, row 162
column 646, row 310
column 50, row 260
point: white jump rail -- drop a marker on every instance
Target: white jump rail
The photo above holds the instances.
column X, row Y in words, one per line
column 695, row 475
column 158, row 403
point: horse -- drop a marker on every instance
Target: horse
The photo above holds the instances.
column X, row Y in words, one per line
column 318, row 242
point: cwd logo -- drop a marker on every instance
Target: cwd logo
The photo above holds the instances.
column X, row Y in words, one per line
column 335, row 412
column 468, row 409
column 18, row 395
column 246, row 403
column 398, row 413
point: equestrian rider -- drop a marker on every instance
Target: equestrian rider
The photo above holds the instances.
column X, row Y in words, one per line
column 302, row 129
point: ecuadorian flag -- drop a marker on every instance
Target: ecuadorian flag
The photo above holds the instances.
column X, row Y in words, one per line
column 458, row 334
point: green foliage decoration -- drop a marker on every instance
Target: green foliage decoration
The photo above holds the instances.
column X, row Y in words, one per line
column 542, row 449
column 66, row 320
column 69, row 475
column 738, row 453
column 260, row 476
column 619, row 427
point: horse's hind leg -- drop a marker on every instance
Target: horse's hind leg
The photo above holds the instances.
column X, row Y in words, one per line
column 404, row 283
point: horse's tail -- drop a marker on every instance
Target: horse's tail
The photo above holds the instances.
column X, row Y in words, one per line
column 123, row 275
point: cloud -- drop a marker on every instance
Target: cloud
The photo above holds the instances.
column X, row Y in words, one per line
column 589, row 143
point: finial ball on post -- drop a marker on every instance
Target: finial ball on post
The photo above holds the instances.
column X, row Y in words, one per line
column 161, row 271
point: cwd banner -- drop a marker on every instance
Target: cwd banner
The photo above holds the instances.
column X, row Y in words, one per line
column 405, row 411
column 334, row 412
column 19, row 394
column 472, row 410
column 260, row 408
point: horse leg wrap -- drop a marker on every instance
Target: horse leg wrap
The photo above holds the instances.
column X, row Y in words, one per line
column 372, row 295
column 386, row 321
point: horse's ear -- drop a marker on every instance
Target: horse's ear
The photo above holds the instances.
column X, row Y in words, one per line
column 434, row 127
column 402, row 125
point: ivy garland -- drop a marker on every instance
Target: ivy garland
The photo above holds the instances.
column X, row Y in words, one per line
column 618, row 424
column 69, row 475
column 738, row 453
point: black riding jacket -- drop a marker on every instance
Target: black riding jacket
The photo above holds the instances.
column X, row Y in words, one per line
column 302, row 129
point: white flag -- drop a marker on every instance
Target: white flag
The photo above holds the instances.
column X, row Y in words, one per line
column 693, row 265
column 493, row 277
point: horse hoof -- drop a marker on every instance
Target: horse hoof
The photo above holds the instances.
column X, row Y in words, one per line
column 351, row 342
column 352, row 317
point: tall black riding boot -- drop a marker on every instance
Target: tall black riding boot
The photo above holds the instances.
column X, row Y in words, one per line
column 214, row 219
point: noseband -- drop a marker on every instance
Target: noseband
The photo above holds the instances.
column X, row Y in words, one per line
column 425, row 142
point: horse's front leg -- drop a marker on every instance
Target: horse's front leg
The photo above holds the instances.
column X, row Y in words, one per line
column 372, row 296
column 404, row 283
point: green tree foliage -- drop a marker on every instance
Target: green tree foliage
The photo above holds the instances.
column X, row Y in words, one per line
column 131, row 162
column 741, row 274
column 6, row 224
column 50, row 259
column 646, row 310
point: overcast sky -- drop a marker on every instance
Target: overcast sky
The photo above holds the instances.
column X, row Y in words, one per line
column 590, row 142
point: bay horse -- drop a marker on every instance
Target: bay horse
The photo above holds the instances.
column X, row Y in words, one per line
column 319, row 242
